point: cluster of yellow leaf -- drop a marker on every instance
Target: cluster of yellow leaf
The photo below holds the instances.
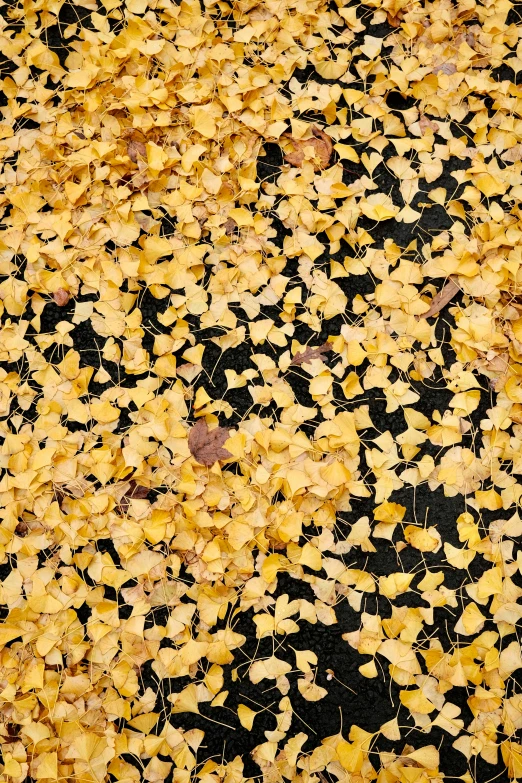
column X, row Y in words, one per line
column 131, row 167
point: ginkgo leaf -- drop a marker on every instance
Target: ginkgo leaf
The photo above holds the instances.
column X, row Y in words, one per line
column 186, row 701
column 160, row 267
column 378, row 207
column 246, row 716
column 310, row 690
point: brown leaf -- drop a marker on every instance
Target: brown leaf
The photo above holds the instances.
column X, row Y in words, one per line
column 135, row 148
column 61, row 297
column 134, row 134
column 22, row 529
column 499, row 364
column 513, row 154
column 311, row 353
column 441, row 299
column 229, row 226
column 498, row 367
column 405, row 761
column 206, row 445
column 322, row 145
column 447, row 68
column 135, row 491
column 425, row 123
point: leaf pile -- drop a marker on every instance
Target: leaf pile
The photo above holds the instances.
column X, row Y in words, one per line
column 234, row 191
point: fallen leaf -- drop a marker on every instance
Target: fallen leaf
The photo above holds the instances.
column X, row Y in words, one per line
column 206, row 445
column 135, row 491
column 321, row 144
column 425, row 123
column 441, row 299
column 61, row 297
column 135, row 148
column 308, row 355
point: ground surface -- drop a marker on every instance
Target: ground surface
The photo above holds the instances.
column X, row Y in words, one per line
column 117, row 478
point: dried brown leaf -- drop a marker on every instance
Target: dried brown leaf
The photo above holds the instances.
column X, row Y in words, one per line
column 229, row 226
column 447, row 68
column 322, row 145
column 311, row 353
column 135, row 491
column 61, row 297
column 441, row 299
column 206, row 445
column 513, row 154
column 135, row 148
column 426, row 123
column 22, row 529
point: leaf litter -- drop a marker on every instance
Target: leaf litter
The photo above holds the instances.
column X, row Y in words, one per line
column 131, row 169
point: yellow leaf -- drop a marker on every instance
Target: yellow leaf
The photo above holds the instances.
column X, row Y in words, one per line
column 378, row 207
column 458, row 558
column 241, row 216
column 395, row 584
column 246, row 716
column 350, row 756
column 8, row 633
column 272, row 565
column 204, row 123
column 311, row 557
column 165, row 366
column 310, row 690
column 427, row 757
column 104, row 412
column 471, row 621
column 416, row 701
column 47, row 767
column 346, row 152
column 489, row 185
column 185, row 701
column 422, row 539
column 156, row 157
column 331, row 70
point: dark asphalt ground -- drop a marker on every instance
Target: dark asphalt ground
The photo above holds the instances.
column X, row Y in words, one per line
column 351, row 698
